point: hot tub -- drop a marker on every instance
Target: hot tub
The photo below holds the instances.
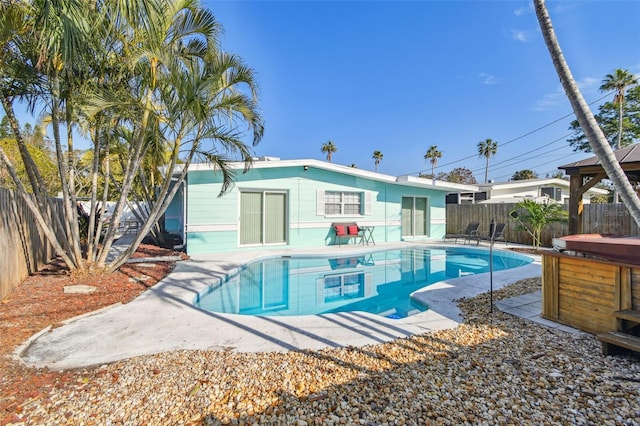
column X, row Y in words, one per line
column 625, row 249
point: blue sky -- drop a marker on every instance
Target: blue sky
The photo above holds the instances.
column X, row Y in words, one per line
column 400, row 76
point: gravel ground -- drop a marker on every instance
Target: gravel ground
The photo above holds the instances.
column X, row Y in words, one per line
column 492, row 370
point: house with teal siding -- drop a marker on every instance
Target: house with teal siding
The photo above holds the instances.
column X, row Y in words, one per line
column 293, row 204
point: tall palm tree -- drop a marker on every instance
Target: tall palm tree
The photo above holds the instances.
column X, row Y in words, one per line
column 618, row 81
column 377, row 158
column 199, row 88
column 432, row 155
column 146, row 78
column 13, row 41
column 487, row 149
column 37, row 51
column 329, row 148
column 595, row 136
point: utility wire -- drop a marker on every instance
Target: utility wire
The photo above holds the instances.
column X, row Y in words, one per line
column 537, row 165
column 523, row 160
column 508, row 160
column 515, row 139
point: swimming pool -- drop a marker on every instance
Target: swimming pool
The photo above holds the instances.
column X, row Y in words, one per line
column 378, row 282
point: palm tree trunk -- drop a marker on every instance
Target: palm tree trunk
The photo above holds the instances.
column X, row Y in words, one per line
column 616, row 196
column 49, row 217
column 44, row 225
column 592, row 131
column 92, row 230
column 69, row 209
column 37, row 185
column 163, row 194
column 486, row 170
column 133, row 163
column 619, row 122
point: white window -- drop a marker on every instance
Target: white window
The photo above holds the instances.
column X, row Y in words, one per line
column 344, row 286
column 552, row 192
column 345, row 203
column 342, row 203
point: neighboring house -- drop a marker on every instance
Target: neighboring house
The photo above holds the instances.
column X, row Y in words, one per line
column 293, row 203
column 551, row 189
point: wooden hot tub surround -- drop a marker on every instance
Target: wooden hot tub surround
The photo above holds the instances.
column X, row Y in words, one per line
column 613, row 247
column 600, row 296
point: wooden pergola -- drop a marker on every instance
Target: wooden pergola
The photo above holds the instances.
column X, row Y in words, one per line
column 584, row 174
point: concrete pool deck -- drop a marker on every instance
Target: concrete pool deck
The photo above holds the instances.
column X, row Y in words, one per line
column 164, row 318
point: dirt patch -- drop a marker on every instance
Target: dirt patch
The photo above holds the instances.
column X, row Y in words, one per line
column 527, row 250
column 40, row 301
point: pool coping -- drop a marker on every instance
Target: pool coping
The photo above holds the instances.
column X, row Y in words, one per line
column 165, row 319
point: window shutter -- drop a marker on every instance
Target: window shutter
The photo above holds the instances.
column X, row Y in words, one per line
column 367, row 203
column 320, row 202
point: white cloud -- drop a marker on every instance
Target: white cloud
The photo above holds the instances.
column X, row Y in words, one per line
column 587, row 86
column 549, row 101
column 488, row 78
column 520, row 35
column 524, row 10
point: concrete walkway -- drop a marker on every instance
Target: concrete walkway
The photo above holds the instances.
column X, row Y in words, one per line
column 165, row 319
column 529, row 307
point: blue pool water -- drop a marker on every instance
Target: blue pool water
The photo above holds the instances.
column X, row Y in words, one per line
column 377, row 282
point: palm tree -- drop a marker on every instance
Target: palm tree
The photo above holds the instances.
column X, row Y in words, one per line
column 37, row 46
column 524, row 174
column 533, row 217
column 432, row 155
column 618, row 81
column 13, row 29
column 329, row 148
column 594, row 134
column 377, row 157
column 487, row 148
column 149, row 82
column 200, row 89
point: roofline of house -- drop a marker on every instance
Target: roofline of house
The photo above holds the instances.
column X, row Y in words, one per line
column 528, row 182
column 273, row 162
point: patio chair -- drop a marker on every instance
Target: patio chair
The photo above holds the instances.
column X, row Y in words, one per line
column 497, row 236
column 470, row 231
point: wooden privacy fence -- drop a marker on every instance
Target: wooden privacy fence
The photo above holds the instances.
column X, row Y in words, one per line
column 597, row 219
column 25, row 248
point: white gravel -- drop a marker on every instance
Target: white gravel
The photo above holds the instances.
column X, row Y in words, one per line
column 491, row 370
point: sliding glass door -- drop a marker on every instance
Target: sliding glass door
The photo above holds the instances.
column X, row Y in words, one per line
column 263, row 217
column 415, row 216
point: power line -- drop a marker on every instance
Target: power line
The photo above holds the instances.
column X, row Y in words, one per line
column 517, row 138
column 546, row 163
column 525, row 153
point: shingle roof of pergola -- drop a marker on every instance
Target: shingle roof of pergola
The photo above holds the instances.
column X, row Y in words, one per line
column 628, row 157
